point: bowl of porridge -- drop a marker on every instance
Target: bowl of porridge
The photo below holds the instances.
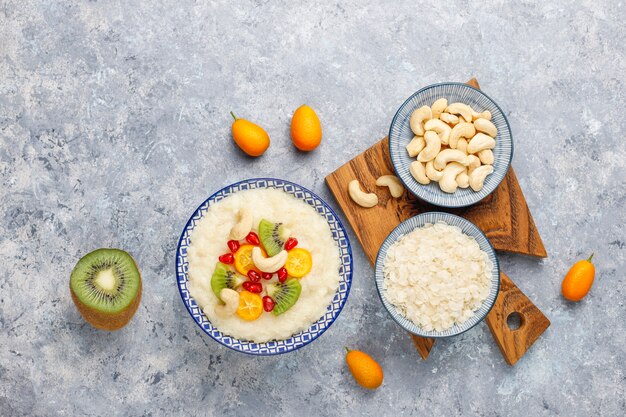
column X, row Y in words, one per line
column 264, row 266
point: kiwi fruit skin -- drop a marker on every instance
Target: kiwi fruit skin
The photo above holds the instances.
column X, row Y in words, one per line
column 105, row 320
column 271, row 236
column 282, row 303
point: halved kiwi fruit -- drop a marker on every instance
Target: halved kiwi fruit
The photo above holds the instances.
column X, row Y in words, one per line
column 273, row 236
column 106, row 288
column 285, row 294
column 225, row 278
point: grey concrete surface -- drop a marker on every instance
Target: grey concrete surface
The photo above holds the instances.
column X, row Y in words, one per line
column 114, row 126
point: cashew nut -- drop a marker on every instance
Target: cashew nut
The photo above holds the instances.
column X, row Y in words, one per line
column 433, row 146
column 479, row 142
column 230, row 298
column 477, row 177
column 486, row 156
column 484, row 115
column 415, row 146
column 366, row 200
column 462, row 145
column 271, row 264
column 461, row 108
column 474, row 162
column 485, row 126
column 396, row 189
column 442, row 129
column 450, row 155
column 243, row 225
column 438, row 107
column 450, row 119
column 448, row 183
column 463, row 179
column 419, row 173
column 431, row 172
column 462, row 130
column 418, row 117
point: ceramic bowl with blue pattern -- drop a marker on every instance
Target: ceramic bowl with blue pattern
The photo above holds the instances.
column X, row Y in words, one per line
column 316, row 329
column 400, row 135
column 466, row 227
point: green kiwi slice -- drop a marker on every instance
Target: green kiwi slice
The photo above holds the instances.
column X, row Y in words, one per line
column 285, row 294
column 225, row 278
column 106, row 287
column 273, row 236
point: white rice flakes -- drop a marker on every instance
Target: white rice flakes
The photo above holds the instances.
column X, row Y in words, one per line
column 437, row 276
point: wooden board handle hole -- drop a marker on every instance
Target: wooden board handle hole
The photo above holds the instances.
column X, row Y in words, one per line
column 515, row 321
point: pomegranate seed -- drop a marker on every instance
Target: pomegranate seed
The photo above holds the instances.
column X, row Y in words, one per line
column 254, row 287
column 227, row 258
column 233, row 245
column 253, row 239
column 268, row 303
column 267, row 275
column 254, row 276
column 282, row 275
column 291, row 243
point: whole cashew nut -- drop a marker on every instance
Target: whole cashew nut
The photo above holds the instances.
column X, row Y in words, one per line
column 461, row 108
column 462, row 145
column 484, row 115
column 442, row 129
column 418, row 172
column 462, row 130
column 477, row 177
column 448, row 183
column 450, row 119
column 418, row 117
column 485, row 126
column 243, row 226
column 431, row 172
column 480, row 142
column 433, row 146
column 438, row 107
column 486, row 156
column 450, row 155
column 366, row 200
column 474, row 162
column 230, row 298
column 396, row 189
column 463, row 179
column 415, row 146
column 271, row 264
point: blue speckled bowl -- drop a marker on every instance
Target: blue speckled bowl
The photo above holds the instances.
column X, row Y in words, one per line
column 400, row 135
column 300, row 339
column 469, row 229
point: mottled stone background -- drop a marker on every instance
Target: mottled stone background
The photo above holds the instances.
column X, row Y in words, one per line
column 114, row 126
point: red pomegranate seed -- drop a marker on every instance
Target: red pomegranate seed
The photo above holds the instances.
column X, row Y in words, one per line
column 253, row 239
column 233, row 245
column 254, row 276
column 282, row 275
column 254, row 287
column 227, row 258
column 267, row 275
column 268, row 303
column 291, row 243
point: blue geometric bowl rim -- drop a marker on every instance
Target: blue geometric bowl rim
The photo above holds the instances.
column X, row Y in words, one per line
column 348, row 275
column 406, row 102
column 390, row 236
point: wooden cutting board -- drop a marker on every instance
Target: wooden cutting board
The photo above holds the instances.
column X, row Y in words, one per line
column 503, row 216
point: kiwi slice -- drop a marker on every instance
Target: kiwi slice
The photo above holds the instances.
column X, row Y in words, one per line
column 106, row 288
column 273, row 236
column 225, row 278
column 285, row 294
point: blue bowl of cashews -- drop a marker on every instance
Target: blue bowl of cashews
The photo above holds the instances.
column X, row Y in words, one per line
column 450, row 144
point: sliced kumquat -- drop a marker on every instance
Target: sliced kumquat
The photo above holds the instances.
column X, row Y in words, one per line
column 299, row 262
